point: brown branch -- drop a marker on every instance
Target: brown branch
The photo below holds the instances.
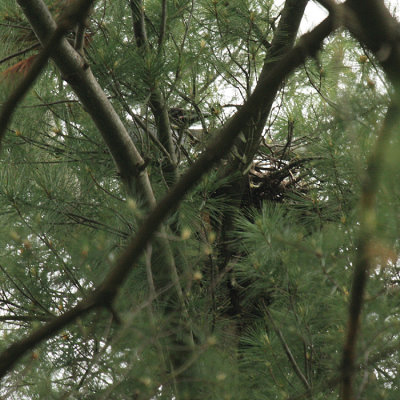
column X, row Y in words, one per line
column 150, row 134
column 380, row 32
column 282, row 42
column 18, row 53
column 80, row 37
column 76, row 72
column 218, row 147
column 67, row 20
column 157, row 101
column 116, row 89
column 364, row 261
column 288, row 352
column 163, row 25
column 330, row 5
column 125, row 154
column 7, row 357
column 23, row 318
column 53, row 103
column 80, row 31
column 139, row 25
column 159, row 110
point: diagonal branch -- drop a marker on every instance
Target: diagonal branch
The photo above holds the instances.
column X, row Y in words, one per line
column 218, row 148
column 68, row 19
column 20, row 52
column 363, row 263
column 75, row 71
column 129, row 162
column 282, row 42
column 288, row 352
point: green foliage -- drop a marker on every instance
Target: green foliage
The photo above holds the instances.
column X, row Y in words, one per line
column 277, row 280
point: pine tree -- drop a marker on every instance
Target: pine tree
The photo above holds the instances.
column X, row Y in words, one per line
column 197, row 202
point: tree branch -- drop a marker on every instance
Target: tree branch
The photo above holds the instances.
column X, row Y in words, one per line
column 288, row 352
column 282, row 42
column 157, row 101
column 68, row 19
column 163, row 25
column 363, row 261
column 18, row 53
column 127, row 158
column 381, row 34
column 23, row 318
column 76, row 72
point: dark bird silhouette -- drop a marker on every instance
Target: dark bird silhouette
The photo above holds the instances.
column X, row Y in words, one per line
column 184, row 118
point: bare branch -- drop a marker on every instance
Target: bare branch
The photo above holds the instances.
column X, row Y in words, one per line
column 23, row 318
column 67, row 21
column 18, row 53
column 288, row 352
column 363, row 261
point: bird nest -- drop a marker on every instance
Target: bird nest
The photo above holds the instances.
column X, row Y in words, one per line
column 276, row 180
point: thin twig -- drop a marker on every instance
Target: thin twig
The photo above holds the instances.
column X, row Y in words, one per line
column 363, row 262
column 18, row 53
column 67, row 20
column 287, row 350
